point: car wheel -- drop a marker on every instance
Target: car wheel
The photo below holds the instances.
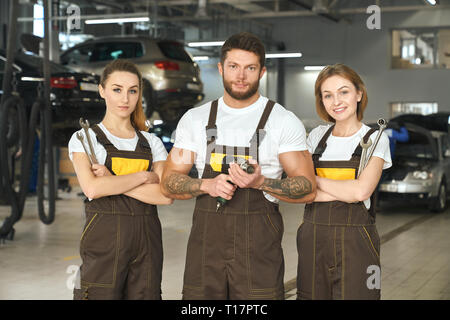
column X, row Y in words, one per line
column 439, row 203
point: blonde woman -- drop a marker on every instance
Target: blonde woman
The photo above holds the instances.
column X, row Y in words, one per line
column 338, row 243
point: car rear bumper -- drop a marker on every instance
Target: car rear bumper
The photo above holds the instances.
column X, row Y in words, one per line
column 177, row 98
column 406, row 187
column 66, row 113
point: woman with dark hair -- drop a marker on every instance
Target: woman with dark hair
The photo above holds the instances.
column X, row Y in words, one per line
column 121, row 244
column 338, row 243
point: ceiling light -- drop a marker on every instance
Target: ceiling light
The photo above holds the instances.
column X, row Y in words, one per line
column 314, row 68
column 431, row 2
column 283, row 55
column 206, row 44
column 117, row 20
column 201, row 58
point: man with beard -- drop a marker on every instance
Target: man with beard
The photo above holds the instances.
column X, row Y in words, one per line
column 234, row 249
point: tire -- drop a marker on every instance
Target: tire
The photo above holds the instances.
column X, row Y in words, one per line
column 439, row 203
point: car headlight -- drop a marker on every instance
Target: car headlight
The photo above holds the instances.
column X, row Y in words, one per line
column 422, row 175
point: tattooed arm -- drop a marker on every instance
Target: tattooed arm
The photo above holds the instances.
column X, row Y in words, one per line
column 299, row 186
column 176, row 183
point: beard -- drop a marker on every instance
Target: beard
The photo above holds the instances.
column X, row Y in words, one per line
column 240, row 95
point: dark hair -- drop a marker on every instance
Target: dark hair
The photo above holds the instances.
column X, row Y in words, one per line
column 347, row 73
column 137, row 118
column 244, row 41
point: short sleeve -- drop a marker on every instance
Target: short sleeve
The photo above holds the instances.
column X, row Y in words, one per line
column 184, row 136
column 382, row 149
column 314, row 137
column 293, row 135
column 75, row 144
column 159, row 153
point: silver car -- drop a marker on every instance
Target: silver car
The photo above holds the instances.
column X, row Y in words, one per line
column 421, row 169
column 172, row 82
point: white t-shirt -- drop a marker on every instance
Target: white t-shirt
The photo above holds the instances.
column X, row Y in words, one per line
column 342, row 148
column 235, row 127
column 159, row 153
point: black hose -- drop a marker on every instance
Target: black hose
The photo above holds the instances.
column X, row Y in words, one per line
column 46, row 152
column 8, row 191
column 41, row 108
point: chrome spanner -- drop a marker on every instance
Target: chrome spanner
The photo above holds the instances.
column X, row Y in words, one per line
column 81, row 138
column 362, row 161
column 85, row 125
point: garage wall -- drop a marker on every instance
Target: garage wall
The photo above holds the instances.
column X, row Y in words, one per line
column 367, row 51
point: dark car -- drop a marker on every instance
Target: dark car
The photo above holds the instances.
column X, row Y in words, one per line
column 72, row 94
column 166, row 132
column 171, row 78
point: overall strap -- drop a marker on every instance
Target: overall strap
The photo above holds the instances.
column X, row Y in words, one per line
column 260, row 133
column 211, row 128
column 142, row 144
column 322, row 145
column 102, row 139
column 358, row 149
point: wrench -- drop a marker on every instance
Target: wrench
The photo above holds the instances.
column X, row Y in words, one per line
column 81, row 138
column 362, row 161
column 381, row 125
column 85, row 125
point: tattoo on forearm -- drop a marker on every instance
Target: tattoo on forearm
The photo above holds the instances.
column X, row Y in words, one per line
column 182, row 184
column 292, row 188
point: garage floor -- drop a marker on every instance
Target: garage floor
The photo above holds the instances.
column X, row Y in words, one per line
column 40, row 262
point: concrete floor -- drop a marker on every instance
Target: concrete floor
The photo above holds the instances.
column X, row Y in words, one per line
column 41, row 260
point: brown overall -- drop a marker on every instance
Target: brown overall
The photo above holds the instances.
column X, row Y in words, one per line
column 234, row 253
column 338, row 243
column 121, row 244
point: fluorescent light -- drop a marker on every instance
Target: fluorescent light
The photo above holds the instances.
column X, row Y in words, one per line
column 201, row 58
column 432, row 2
column 117, row 20
column 314, row 68
column 283, row 55
column 206, row 44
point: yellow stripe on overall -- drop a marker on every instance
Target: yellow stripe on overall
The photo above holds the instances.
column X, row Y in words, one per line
column 337, row 173
column 122, row 166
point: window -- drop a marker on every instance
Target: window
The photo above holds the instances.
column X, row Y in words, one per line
column 424, row 108
column 174, row 50
column 79, row 55
column 116, row 50
column 420, row 48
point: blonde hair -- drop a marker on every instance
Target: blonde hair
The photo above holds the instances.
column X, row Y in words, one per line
column 137, row 118
column 347, row 73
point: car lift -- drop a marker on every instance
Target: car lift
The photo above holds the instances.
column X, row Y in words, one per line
column 10, row 143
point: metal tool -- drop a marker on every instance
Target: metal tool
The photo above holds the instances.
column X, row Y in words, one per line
column 382, row 125
column 244, row 165
column 365, row 159
column 362, row 161
column 81, row 138
column 85, row 125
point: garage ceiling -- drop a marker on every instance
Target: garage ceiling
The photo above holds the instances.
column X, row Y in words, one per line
column 200, row 10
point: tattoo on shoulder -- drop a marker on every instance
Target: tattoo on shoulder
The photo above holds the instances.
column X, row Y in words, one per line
column 293, row 188
column 182, row 184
